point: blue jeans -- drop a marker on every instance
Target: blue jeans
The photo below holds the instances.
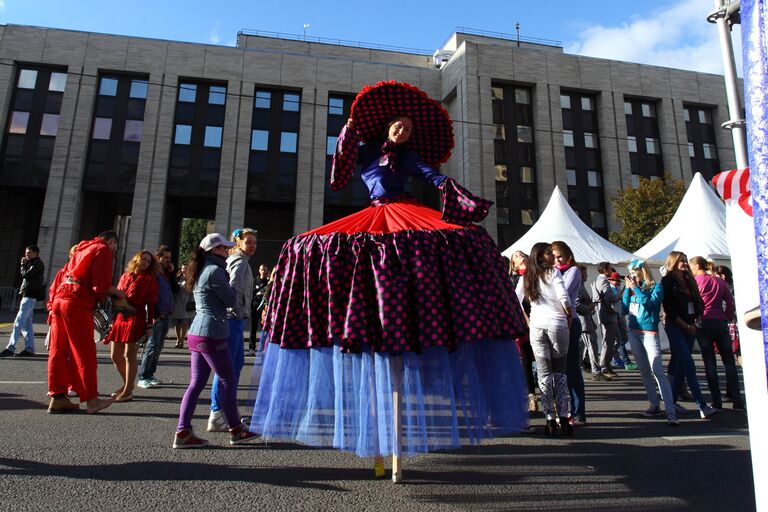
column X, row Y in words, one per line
column 573, row 371
column 647, row 349
column 155, row 345
column 681, row 344
column 23, row 325
column 237, row 351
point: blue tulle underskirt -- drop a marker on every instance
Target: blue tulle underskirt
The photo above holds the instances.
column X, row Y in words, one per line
column 323, row 397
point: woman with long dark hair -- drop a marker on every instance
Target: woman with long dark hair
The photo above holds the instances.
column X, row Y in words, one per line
column 565, row 262
column 517, row 265
column 551, row 314
column 682, row 310
column 140, row 286
column 208, row 339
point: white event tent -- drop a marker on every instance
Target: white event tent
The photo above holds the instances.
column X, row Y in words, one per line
column 697, row 228
column 558, row 221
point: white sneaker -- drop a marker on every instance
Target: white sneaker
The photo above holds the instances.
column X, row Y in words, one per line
column 217, row 422
column 708, row 412
column 144, row 383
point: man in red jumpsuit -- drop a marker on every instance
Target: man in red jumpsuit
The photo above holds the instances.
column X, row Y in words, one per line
column 72, row 351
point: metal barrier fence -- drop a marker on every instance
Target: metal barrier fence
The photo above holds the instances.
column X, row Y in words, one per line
column 9, row 297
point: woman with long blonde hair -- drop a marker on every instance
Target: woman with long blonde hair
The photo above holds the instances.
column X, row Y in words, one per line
column 641, row 302
column 682, row 310
column 140, row 287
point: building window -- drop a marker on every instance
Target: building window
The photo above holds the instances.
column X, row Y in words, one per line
column 102, row 128
column 570, row 177
column 139, row 89
column 568, row 138
column 291, row 102
column 187, row 92
column 501, row 172
column 709, row 151
column 108, row 87
column 648, row 110
column 597, row 219
column 565, row 101
column 593, row 179
column 704, row 116
column 702, row 146
column 50, row 125
column 263, row 99
column 183, row 134
column 526, row 175
column 527, row 217
column 133, row 131
column 691, row 150
column 19, row 122
column 259, row 140
column 686, row 114
column 590, row 141
column 627, row 108
column 524, row 134
column 522, row 96
column 217, row 95
column 27, row 79
column 288, row 142
column 632, row 144
column 587, row 103
column 58, row 82
column 212, row 137
column 330, row 145
column 652, row 146
column 335, row 106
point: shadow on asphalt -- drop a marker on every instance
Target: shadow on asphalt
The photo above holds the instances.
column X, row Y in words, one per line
column 10, row 402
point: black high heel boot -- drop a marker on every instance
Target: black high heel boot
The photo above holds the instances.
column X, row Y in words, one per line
column 550, row 427
column 566, row 426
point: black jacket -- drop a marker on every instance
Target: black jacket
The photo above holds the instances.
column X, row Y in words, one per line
column 33, row 283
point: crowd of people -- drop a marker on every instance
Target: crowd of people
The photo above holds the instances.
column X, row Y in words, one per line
column 398, row 329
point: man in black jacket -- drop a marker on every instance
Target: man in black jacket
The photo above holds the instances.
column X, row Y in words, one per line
column 32, row 290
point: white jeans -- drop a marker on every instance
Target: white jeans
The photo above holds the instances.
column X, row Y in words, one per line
column 647, row 349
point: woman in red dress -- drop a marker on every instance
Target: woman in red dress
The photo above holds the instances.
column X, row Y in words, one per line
column 140, row 286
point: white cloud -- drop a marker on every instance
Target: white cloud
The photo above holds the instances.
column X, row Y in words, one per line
column 213, row 35
column 676, row 36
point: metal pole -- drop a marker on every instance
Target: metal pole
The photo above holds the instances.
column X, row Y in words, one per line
column 736, row 123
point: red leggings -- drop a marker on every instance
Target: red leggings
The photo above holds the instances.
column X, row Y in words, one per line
column 71, row 349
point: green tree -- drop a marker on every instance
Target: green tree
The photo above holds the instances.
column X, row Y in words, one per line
column 645, row 210
column 192, row 231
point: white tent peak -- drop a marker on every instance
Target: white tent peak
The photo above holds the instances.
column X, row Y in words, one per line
column 697, row 228
column 558, row 221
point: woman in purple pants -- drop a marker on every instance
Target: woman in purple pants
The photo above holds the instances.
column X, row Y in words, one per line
column 208, row 341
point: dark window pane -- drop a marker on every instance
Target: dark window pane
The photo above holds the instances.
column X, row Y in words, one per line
column 133, row 131
column 53, row 103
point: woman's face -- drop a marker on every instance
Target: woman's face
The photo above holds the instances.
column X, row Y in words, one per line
column 637, row 274
column 146, row 261
column 547, row 257
column 248, row 244
column 584, row 275
column 682, row 264
column 400, row 130
column 262, row 271
column 560, row 258
column 519, row 259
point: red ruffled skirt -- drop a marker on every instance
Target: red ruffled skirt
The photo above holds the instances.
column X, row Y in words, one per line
column 396, row 278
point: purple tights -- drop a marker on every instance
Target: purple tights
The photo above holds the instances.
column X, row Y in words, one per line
column 201, row 364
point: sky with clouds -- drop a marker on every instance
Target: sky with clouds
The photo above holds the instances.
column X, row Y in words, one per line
column 670, row 33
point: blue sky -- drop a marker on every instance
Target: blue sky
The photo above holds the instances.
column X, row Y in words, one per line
column 667, row 33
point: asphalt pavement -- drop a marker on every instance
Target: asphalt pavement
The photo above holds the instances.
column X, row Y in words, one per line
column 121, row 459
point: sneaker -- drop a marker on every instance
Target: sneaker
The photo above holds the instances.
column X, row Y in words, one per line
column 60, row 405
column 617, row 363
column 679, row 409
column 652, row 411
column 187, row 439
column 25, row 353
column 239, row 435
column 707, row 412
column 630, row 366
column 144, row 383
column 7, row 353
column 217, row 422
column 154, row 381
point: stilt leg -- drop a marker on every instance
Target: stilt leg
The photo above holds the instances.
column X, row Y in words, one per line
column 397, row 403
